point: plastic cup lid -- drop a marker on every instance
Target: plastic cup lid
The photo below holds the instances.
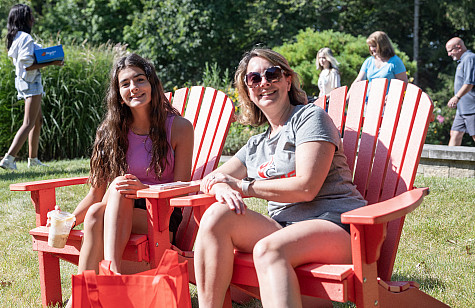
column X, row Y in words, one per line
column 60, row 215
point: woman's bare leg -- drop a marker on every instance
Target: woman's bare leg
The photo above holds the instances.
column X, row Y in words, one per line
column 32, row 109
column 276, row 256
column 221, row 230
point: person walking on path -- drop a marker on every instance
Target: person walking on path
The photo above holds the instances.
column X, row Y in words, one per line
column 21, row 47
column 464, row 91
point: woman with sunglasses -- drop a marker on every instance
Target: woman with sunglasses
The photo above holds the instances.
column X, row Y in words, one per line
column 297, row 165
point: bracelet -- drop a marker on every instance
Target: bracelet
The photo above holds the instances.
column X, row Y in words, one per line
column 458, row 97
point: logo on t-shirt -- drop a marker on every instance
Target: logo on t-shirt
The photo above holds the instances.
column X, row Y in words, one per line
column 266, row 170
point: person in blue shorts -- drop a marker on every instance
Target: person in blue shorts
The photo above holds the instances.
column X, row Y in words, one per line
column 21, row 47
column 383, row 62
column 464, row 91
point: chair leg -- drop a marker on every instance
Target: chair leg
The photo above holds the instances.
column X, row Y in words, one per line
column 50, row 279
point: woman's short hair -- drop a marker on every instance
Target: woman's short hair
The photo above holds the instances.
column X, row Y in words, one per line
column 328, row 54
column 382, row 42
column 250, row 114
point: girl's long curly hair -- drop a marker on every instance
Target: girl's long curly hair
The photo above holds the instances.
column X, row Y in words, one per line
column 250, row 114
column 109, row 152
column 20, row 18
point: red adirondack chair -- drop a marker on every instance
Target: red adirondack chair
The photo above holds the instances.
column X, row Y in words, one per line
column 384, row 153
column 211, row 113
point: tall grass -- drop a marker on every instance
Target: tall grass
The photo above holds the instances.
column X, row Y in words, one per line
column 437, row 245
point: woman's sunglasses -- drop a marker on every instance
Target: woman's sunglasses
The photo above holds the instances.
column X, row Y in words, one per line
column 272, row 74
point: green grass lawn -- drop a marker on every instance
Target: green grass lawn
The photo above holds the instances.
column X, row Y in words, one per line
column 437, row 247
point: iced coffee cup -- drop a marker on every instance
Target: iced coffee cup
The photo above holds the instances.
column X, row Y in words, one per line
column 60, row 226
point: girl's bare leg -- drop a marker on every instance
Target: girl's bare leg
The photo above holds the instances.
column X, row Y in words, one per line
column 34, row 135
column 276, row 256
column 221, row 230
column 92, row 249
column 32, row 109
column 117, row 227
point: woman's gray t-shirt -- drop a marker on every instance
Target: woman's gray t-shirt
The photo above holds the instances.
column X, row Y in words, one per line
column 271, row 158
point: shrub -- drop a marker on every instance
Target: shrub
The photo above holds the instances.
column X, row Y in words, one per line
column 73, row 104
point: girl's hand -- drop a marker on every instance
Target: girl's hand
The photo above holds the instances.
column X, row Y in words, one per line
column 129, row 186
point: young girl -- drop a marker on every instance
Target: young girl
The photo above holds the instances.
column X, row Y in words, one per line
column 329, row 78
column 20, row 46
column 142, row 141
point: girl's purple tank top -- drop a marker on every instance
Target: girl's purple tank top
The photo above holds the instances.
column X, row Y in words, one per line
column 139, row 156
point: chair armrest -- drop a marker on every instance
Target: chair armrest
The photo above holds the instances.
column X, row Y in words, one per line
column 48, row 184
column 195, row 200
column 388, row 210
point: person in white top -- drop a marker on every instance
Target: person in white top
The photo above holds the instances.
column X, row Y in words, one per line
column 21, row 47
column 329, row 78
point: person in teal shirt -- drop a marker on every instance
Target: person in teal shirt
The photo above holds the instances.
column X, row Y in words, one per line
column 383, row 62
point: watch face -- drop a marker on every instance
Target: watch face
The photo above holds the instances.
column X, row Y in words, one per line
column 248, row 179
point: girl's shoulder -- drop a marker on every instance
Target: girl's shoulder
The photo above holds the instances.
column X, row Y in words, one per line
column 181, row 125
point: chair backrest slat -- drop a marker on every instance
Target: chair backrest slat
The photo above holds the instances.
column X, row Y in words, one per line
column 179, row 99
column 369, row 135
column 321, row 102
column 336, row 107
column 353, row 121
column 194, row 104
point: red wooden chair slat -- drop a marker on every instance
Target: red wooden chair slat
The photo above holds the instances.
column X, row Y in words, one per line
column 336, row 107
column 169, row 95
column 211, row 119
column 194, row 102
column 321, row 102
column 179, row 99
column 354, row 118
column 369, row 135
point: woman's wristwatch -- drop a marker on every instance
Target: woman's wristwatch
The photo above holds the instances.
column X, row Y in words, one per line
column 245, row 183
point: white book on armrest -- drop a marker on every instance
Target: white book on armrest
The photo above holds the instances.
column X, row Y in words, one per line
column 169, row 185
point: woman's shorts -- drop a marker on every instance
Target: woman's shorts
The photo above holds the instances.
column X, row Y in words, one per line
column 330, row 216
column 175, row 218
column 26, row 89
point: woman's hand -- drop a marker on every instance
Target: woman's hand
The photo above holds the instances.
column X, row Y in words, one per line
column 129, row 186
column 218, row 177
column 226, row 190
